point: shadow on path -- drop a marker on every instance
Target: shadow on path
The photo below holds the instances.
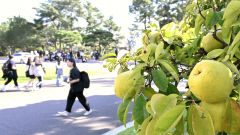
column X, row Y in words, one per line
column 39, row 118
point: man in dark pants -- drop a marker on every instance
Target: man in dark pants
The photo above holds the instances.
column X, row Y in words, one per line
column 76, row 90
column 12, row 74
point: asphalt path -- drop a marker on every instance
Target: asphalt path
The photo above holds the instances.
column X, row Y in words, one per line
column 33, row 112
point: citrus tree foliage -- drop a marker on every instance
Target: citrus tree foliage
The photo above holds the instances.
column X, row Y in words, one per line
column 167, row 57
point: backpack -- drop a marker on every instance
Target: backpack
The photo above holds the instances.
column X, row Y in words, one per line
column 5, row 69
column 84, row 78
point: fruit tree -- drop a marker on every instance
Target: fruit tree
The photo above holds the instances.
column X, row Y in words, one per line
column 202, row 49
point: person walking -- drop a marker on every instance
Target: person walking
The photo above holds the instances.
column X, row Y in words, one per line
column 59, row 71
column 12, row 74
column 76, row 90
column 97, row 55
column 30, row 68
column 39, row 71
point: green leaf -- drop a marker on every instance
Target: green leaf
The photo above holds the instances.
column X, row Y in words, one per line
column 127, row 95
column 139, row 111
column 198, row 23
column 160, row 79
column 145, row 53
column 136, row 125
column 212, row 19
column 171, row 69
column 159, row 50
column 123, row 110
column 235, row 42
column 227, row 29
column 149, row 108
column 172, row 89
column 226, row 58
column 169, row 120
column 215, row 53
column 189, row 121
column 232, row 67
column 237, row 23
column 180, row 128
column 235, row 45
column 233, row 8
column 201, row 121
column 144, row 125
column 232, row 120
column 161, row 103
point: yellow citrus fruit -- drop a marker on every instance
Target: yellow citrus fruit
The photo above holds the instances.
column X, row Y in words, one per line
column 209, row 43
column 217, row 112
column 122, row 84
column 211, row 81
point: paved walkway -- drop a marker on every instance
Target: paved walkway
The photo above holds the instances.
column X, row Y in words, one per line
column 32, row 113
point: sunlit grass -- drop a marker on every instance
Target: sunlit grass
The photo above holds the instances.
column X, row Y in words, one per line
column 50, row 73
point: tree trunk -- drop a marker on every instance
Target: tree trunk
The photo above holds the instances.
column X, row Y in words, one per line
column 55, row 45
column 99, row 49
column 145, row 23
column 60, row 45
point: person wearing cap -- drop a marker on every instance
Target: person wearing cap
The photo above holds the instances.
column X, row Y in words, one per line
column 76, row 90
column 12, row 74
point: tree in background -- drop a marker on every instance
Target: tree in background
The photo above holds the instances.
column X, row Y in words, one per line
column 163, row 11
column 69, row 38
column 19, row 33
column 93, row 17
column 58, row 22
column 144, row 11
column 169, row 11
column 100, row 39
column 3, row 42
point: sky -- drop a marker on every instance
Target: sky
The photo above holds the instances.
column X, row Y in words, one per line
column 117, row 8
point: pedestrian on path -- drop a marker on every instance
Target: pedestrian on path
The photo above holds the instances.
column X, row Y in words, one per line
column 59, row 72
column 30, row 68
column 76, row 90
column 39, row 71
column 12, row 74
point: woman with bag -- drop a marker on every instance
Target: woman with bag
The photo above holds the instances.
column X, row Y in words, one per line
column 76, row 90
column 30, row 66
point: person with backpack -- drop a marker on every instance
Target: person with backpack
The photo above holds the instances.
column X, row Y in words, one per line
column 10, row 73
column 76, row 90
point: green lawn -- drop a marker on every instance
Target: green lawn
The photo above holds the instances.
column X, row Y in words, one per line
column 50, row 74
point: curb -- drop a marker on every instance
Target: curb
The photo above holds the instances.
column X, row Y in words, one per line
column 119, row 129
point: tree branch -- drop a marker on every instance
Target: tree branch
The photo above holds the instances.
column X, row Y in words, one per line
column 215, row 31
column 215, row 36
column 200, row 12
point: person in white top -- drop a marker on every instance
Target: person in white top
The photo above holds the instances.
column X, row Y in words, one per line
column 59, row 72
column 29, row 73
column 39, row 71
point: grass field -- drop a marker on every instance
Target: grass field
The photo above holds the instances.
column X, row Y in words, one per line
column 50, row 73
